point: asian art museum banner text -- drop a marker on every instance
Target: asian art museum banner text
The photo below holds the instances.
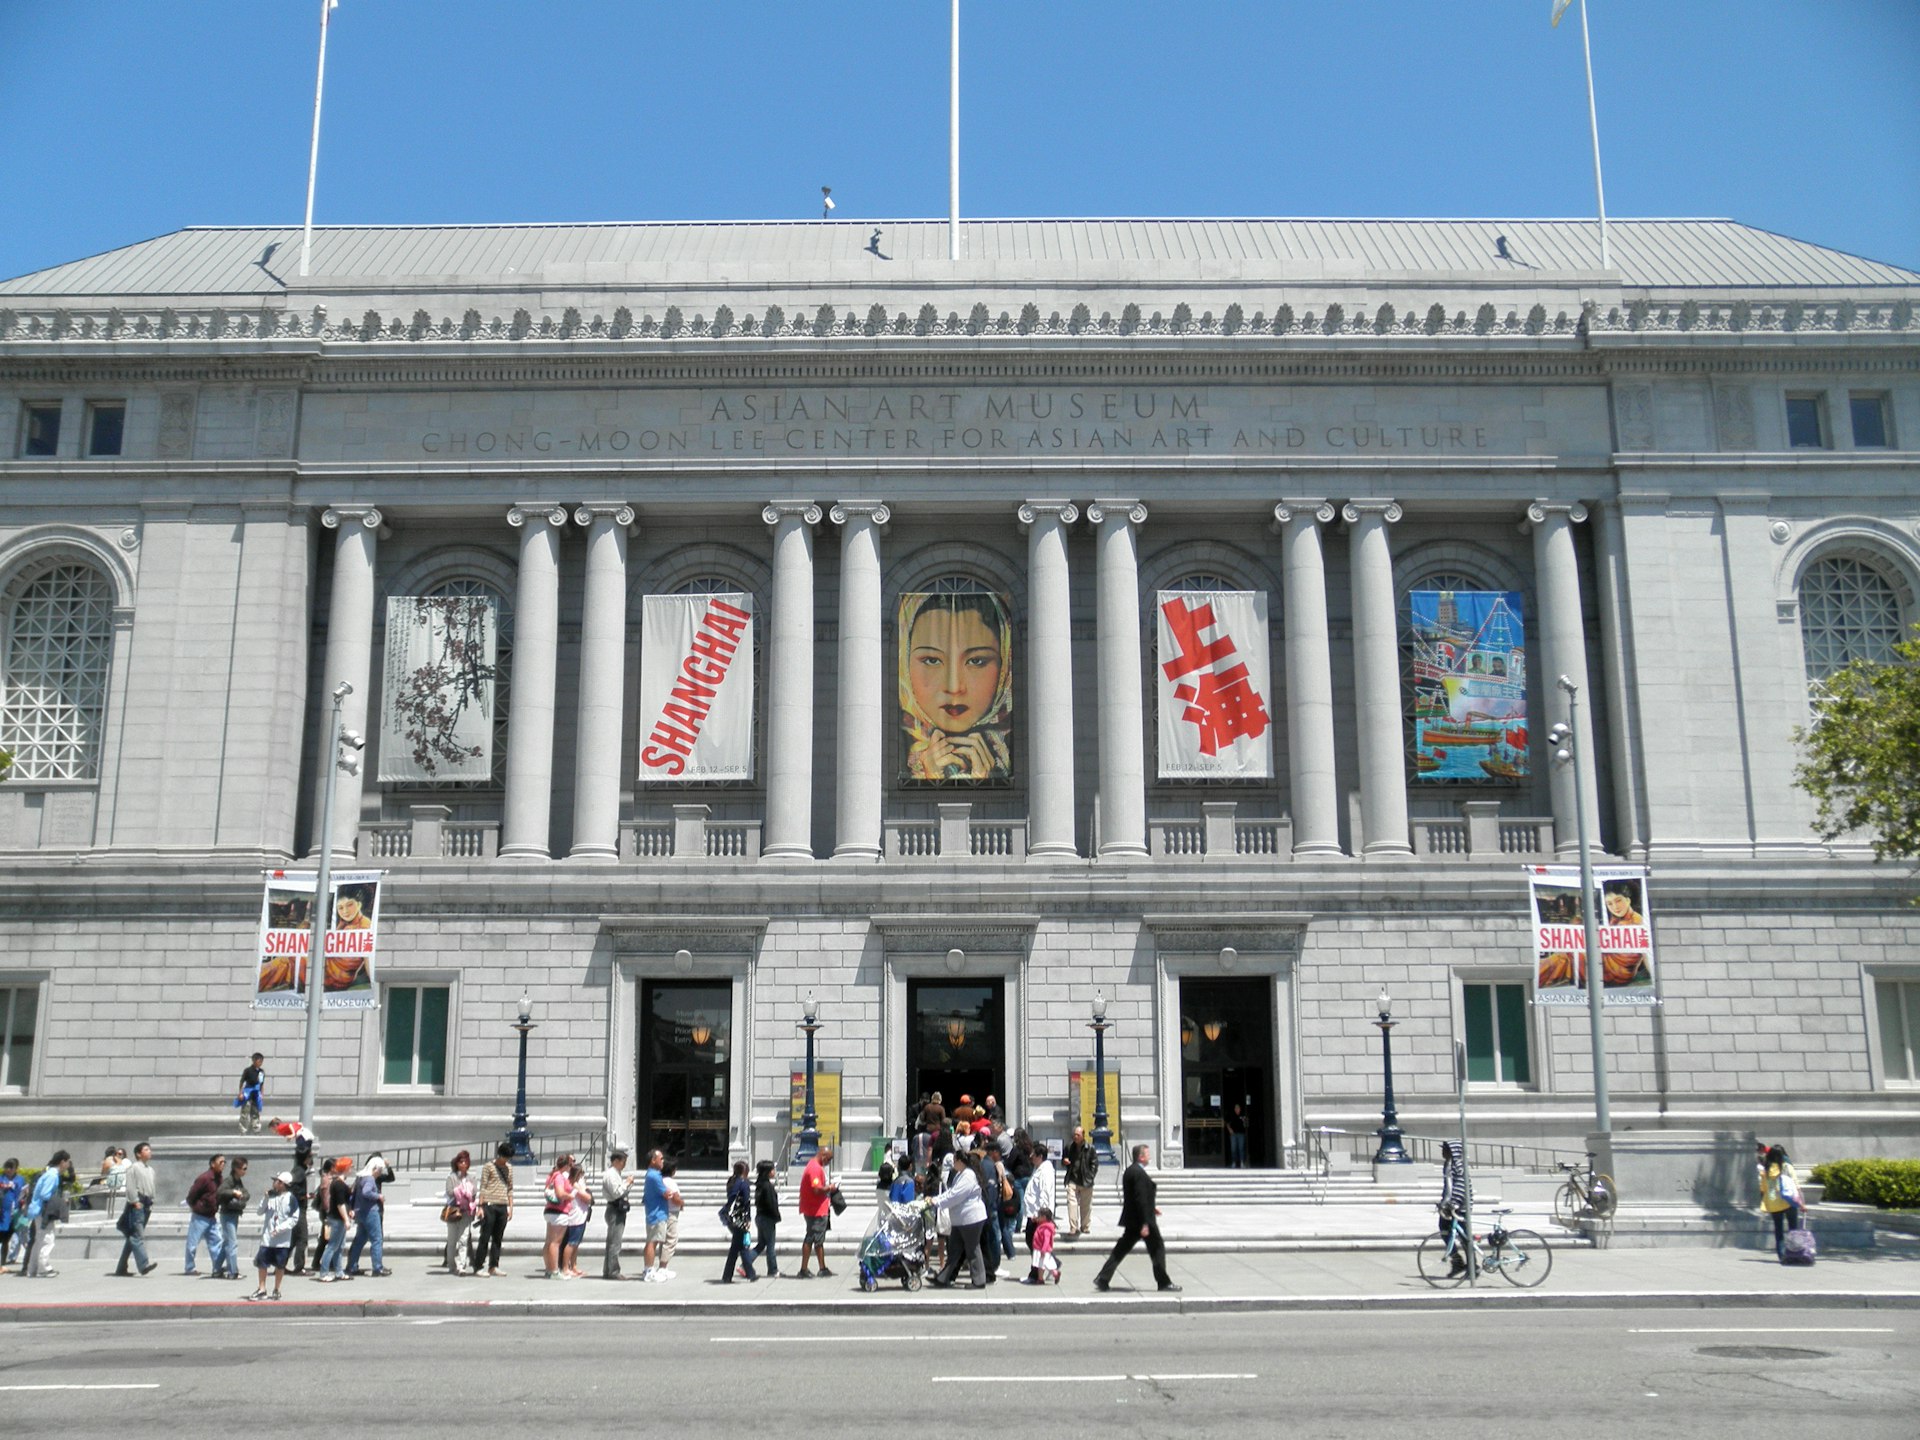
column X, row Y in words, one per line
column 696, row 687
column 1214, row 682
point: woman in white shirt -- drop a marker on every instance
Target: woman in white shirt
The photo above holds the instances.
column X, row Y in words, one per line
column 961, row 1196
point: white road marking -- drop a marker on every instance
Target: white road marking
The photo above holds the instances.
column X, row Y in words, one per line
column 1770, row 1330
column 839, row 1339
column 1085, row 1379
column 9, row 1388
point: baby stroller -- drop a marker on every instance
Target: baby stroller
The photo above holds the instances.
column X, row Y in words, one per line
column 896, row 1248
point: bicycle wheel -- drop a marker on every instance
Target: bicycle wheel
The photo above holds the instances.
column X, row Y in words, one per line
column 1604, row 1197
column 1567, row 1202
column 1523, row 1259
column 1435, row 1266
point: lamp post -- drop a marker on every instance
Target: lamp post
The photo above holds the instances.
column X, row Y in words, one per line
column 1562, row 737
column 518, row 1136
column 1102, row 1130
column 809, row 1145
column 322, row 899
column 1390, row 1152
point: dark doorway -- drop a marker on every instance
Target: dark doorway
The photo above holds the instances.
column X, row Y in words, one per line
column 1226, row 1059
column 956, row 1040
column 684, row 1040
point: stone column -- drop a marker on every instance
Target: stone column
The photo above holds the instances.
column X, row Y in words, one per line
column 1563, row 651
column 349, row 658
column 528, row 815
column 863, row 700
column 1316, row 798
column 1049, row 678
column 789, row 832
column 1615, row 640
column 1376, row 677
column 1123, row 724
column 603, row 683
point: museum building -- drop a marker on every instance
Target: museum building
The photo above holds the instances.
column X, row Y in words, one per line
column 743, row 619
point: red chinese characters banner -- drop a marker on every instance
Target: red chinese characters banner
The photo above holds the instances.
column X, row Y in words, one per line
column 1215, row 685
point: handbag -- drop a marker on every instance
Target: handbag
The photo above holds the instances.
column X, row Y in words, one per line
column 451, row 1213
column 838, row 1201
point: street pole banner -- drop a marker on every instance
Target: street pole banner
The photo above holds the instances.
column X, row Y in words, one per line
column 436, row 719
column 1214, row 680
column 826, row 1101
column 1623, row 927
column 1469, row 686
column 696, row 687
column 286, row 931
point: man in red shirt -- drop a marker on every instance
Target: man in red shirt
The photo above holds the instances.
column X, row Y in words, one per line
column 816, row 1208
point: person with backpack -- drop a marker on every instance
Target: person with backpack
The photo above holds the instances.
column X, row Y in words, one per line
column 616, row 1193
column 334, row 1201
column 496, row 1209
column 1779, row 1197
column 43, row 1213
column 738, row 1216
column 369, row 1214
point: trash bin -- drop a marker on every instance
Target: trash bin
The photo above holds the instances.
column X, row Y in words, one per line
column 877, row 1149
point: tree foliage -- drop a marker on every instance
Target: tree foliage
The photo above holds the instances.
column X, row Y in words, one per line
column 1862, row 753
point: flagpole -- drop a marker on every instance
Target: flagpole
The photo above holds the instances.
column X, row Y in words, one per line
column 1593, row 124
column 953, row 141
column 313, row 155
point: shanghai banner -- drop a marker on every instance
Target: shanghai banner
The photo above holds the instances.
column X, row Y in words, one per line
column 437, row 717
column 955, row 686
column 286, row 931
column 1469, row 686
column 1213, row 687
column 696, row 687
column 1623, row 928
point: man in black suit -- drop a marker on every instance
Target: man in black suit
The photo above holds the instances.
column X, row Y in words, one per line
column 1137, row 1222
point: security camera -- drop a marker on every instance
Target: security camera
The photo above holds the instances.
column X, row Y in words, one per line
column 349, row 765
column 353, row 738
column 826, row 201
column 342, row 690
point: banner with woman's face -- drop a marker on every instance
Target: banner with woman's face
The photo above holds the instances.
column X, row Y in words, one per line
column 956, row 686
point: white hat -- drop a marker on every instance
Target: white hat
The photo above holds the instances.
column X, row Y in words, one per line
column 285, row 1177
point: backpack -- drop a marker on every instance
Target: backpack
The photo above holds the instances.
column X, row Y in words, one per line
column 1800, row 1248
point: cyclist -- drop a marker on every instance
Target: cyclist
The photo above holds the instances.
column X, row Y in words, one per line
column 1456, row 1202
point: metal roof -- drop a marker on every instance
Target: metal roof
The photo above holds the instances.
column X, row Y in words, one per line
column 264, row 260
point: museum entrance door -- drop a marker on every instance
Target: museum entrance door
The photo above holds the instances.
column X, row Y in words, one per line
column 685, row 1053
column 1226, row 1059
column 956, row 1040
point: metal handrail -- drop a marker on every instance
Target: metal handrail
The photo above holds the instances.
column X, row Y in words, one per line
column 1492, row 1154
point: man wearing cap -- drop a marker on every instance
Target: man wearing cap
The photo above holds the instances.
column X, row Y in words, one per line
column 615, row 1186
column 277, row 1212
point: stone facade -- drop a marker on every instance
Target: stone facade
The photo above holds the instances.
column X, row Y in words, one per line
column 799, row 424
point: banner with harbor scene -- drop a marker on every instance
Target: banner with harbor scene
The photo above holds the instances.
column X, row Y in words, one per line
column 1623, row 928
column 1469, row 686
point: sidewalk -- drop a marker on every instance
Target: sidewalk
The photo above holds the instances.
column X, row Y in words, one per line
column 1884, row 1278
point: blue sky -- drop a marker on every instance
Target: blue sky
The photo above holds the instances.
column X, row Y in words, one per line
column 128, row 118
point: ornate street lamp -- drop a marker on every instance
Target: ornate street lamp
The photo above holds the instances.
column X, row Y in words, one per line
column 1102, row 1132
column 1391, row 1152
column 809, row 1122
column 518, row 1136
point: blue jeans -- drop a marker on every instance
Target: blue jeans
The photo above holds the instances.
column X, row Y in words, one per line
column 1236, row 1150
column 1008, row 1225
column 739, row 1253
column 136, row 1247
column 334, row 1258
column 227, row 1261
column 370, row 1229
column 764, row 1249
column 990, row 1244
column 1783, row 1221
column 203, row 1227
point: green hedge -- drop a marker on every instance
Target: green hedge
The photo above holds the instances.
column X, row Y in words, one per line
column 1888, row 1184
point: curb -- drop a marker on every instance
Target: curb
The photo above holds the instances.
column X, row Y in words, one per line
column 1139, row 1303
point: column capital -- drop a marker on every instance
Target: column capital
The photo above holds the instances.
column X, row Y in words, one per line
column 554, row 515
column 1387, row 510
column 617, row 511
column 1318, row 511
column 844, row 510
column 1539, row 510
column 777, row 510
column 1065, row 511
column 334, row 516
column 1132, row 511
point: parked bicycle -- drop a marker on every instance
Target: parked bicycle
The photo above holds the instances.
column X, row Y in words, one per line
column 1520, row 1257
column 1585, row 1195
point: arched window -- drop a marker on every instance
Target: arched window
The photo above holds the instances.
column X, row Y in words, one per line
column 462, row 586
column 53, row 688
column 1849, row 611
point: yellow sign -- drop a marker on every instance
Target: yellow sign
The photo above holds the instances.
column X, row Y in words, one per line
column 1080, row 1085
column 826, row 1103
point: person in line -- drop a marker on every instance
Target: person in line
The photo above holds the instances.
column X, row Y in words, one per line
column 338, row 1209
column 1456, row 1203
column 559, row 1195
column 496, row 1209
column 933, row 1113
column 739, row 1226
column 13, row 1187
column 616, row 1194
column 579, row 1211
column 302, row 1173
column 963, row 1200
column 1042, row 1191
column 458, row 1209
column 141, row 1190
column 657, row 1209
column 253, row 1084
column 676, row 1205
column 232, row 1198
column 1016, row 1158
column 45, row 1211
column 1040, row 1233
column 1779, row 1195
column 1082, row 1162
column 1139, row 1220
column 816, row 1208
column 203, row 1199
column 369, row 1215
column 276, row 1235
column 766, row 1216
column 996, row 1190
